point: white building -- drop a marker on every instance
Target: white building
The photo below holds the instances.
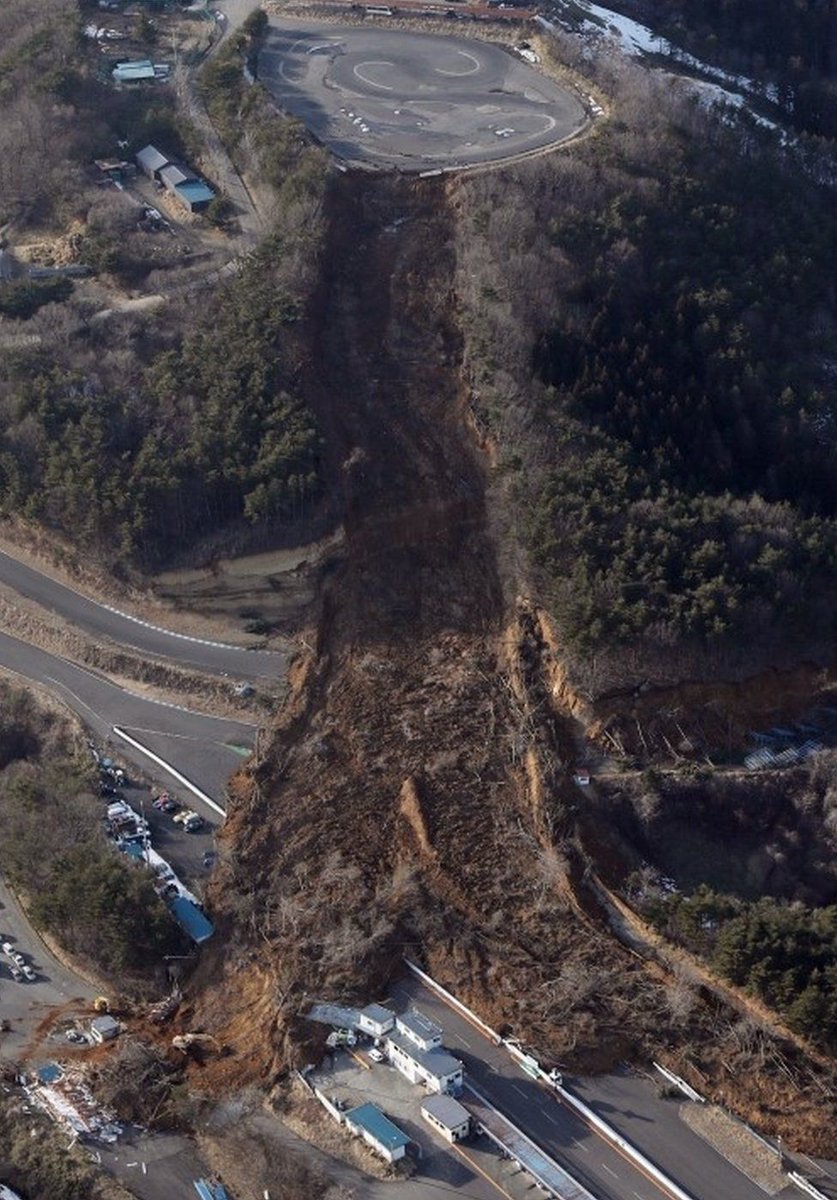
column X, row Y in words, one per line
column 419, row 1029
column 375, row 1020
column 447, row 1116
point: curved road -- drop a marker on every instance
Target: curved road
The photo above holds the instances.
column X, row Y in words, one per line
column 203, row 748
column 101, row 620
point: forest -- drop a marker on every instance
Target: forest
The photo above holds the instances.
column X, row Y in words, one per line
column 657, row 361
column 795, row 46
column 53, row 849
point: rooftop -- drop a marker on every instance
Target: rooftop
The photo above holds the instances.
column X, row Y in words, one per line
column 194, row 190
column 377, row 1012
column 445, row 1109
column 173, row 175
column 438, row 1062
column 126, row 72
column 370, row 1118
column 151, row 159
column 420, row 1025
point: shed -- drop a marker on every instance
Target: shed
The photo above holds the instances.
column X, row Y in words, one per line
column 104, row 1029
column 172, row 175
column 195, row 194
column 450, row 1118
column 133, row 72
column 375, row 1020
column 378, row 1131
column 151, row 161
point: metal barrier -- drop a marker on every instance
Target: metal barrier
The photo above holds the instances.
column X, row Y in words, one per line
column 677, row 1082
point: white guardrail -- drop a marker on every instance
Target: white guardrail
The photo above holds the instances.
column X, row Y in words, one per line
column 802, row 1182
column 532, row 1066
column 677, row 1082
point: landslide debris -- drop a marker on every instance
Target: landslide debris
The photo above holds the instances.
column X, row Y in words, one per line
column 416, row 795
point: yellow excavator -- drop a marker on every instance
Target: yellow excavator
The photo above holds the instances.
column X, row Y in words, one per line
column 101, row 1004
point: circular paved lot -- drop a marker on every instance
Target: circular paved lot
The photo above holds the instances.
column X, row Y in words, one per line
column 413, row 101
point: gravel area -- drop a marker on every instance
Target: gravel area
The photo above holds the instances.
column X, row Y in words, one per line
column 737, row 1144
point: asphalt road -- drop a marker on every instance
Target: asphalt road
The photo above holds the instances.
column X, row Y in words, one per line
column 388, row 98
column 104, row 622
column 205, row 749
column 631, row 1107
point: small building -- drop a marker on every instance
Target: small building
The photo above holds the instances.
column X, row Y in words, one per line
column 104, row 1029
column 375, row 1020
column 447, row 1116
column 435, row 1068
column 378, row 1131
column 151, row 161
column 194, row 194
column 134, row 72
column 172, row 175
column 419, row 1029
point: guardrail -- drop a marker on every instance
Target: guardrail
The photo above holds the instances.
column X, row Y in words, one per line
column 677, row 1082
column 801, row 1182
column 533, row 1068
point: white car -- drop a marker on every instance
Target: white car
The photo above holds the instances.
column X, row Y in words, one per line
column 376, row 1055
column 29, row 973
column 17, row 974
column 8, row 948
column 18, row 958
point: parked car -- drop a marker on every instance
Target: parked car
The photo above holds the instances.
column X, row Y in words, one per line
column 161, row 800
column 73, row 1035
column 209, row 858
column 18, row 958
column 193, row 823
column 8, row 948
column 375, row 1054
column 29, row 973
column 17, row 974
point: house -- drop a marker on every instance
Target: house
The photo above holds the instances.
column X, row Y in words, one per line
column 151, row 162
column 435, row 1068
column 133, row 72
column 375, row 1020
column 447, row 1116
column 104, row 1029
column 377, row 1131
column 419, row 1029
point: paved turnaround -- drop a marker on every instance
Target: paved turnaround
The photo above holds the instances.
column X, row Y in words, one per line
column 388, row 98
column 103, row 621
column 649, row 1123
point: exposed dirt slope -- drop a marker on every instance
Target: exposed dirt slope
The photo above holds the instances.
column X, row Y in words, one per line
column 417, row 793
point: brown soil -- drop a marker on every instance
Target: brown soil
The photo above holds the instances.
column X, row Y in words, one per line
column 417, row 794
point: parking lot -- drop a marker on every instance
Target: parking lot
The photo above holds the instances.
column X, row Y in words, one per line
column 352, row 1078
column 389, row 98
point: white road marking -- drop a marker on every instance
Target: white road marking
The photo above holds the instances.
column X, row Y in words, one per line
column 609, row 1170
column 465, row 1042
column 384, row 87
column 520, row 1091
column 455, row 74
column 581, row 1146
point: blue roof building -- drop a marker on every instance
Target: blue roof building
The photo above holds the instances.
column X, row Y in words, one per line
column 194, row 193
column 378, row 1131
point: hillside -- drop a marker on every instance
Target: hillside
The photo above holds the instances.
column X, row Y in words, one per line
column 575, row 417
column 418, row 790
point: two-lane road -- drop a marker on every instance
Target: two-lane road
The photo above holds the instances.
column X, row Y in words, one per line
column 104, row 621
column 639, row 1115
column 205, row 749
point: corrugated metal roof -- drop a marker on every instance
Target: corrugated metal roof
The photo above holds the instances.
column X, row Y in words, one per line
column 172, row 175
column 150, row 159
column 420, row 1025
column 195, row 191
column 370, row 1118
